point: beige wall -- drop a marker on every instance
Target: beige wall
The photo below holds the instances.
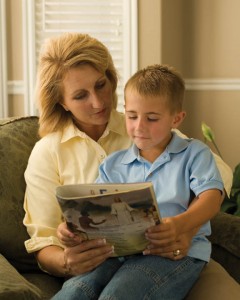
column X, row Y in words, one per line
column 14, row 41
column 14, row 53
column 220, row 110
column 200, row 38
column 149, row 36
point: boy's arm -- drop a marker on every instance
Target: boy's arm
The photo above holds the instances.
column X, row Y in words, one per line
column 224, row 169
column 184, row 225
column 202, row 209
column 195, row 230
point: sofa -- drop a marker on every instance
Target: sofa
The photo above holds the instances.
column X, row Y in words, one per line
column 20, row 276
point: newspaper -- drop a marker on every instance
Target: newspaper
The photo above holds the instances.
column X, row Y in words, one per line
column 120, row 213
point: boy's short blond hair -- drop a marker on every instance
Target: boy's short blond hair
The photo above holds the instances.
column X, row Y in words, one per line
column 159, row 80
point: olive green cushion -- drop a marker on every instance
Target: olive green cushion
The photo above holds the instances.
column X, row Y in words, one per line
column 15, row 286
column 49, row 285
column 225, row 240
column 17, row 138
column 226, row 233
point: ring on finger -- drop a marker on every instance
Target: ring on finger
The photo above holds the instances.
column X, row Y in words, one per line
column 176, row 252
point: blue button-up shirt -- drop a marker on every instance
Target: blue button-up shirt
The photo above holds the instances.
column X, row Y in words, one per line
column 184, row 170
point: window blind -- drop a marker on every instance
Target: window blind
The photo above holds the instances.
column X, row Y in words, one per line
column 114, row 22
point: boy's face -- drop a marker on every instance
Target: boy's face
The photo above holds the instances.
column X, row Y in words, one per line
column 149, row 121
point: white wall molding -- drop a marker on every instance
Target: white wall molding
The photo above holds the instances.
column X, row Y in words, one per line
column 16, row 87
column 225, row 84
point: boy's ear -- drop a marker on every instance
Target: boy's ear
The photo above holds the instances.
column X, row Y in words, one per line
column 178, row 118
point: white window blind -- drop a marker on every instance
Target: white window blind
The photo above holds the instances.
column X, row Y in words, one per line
column 114, row 22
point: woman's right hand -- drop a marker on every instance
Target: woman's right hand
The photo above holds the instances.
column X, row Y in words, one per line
column 80, row 255
column 86, row 256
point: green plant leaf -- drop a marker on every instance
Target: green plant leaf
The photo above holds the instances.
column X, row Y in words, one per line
column 237, row 212
column 207, row 132
column 209, row 136
column 236, row 177
column 231, row 205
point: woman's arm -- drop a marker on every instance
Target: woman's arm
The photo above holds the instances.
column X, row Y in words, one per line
column 51, row 260
column 43, row 215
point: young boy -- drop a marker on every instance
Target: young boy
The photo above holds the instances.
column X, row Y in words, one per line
column 186, row 181
column 179, row 169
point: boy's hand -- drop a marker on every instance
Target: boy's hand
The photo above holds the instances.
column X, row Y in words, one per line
column 164, row 240
column 67, row 237
column 164, row 233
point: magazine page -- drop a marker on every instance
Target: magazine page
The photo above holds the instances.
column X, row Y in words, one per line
column 121, row 217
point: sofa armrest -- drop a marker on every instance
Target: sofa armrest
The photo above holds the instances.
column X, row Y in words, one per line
column 15, row 286
column 225, row 240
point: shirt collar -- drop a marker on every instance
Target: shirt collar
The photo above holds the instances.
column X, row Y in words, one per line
column 176, row 145
column 116, row 124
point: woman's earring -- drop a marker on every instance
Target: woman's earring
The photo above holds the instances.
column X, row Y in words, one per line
column 65, row 108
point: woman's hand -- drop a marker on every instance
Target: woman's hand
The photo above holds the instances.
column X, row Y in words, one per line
column 164, row 240
column 86, row 256
column 81, row 255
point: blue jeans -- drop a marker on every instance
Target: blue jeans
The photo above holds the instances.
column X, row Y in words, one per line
column 133, row 278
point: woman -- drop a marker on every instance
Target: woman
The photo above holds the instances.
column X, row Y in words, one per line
column 79, row 126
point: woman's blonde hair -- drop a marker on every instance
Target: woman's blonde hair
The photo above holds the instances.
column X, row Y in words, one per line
column 159, row 80
column 57, row 56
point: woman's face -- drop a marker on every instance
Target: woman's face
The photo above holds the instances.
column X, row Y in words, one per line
column 88, row 95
